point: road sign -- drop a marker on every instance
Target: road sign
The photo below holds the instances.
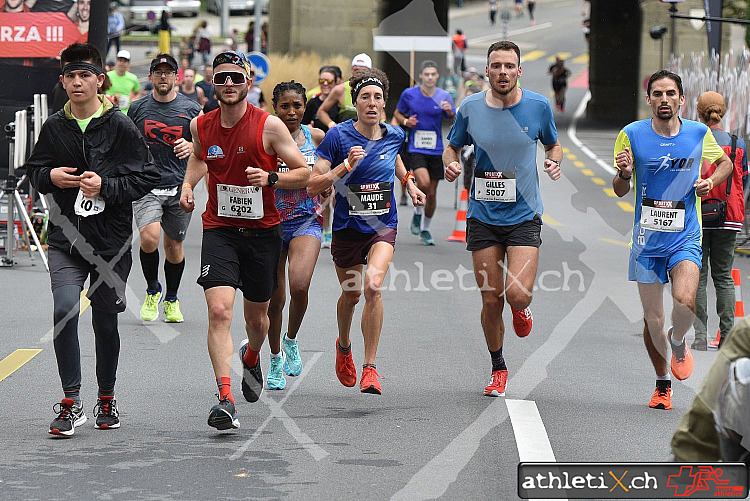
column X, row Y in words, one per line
column 261, row 65
column 151, row 16
column 412, row 44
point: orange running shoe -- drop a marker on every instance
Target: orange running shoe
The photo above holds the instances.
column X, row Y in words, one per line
column 345, row 369
column 496, row 388
column 370, row 383
column 662, row 398
column 682, row 359
column 522, row 321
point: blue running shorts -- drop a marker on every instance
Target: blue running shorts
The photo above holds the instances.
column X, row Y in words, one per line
column 652, row 270
column 304, row 225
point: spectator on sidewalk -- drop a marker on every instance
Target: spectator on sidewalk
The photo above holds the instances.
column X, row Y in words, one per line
column 187, row 49
column 459, row 52
column 695, row 438
column 720, row 228
column 115, row 27
column 203, row 36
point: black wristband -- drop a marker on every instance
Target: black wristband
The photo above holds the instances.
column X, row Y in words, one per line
column 619, row 174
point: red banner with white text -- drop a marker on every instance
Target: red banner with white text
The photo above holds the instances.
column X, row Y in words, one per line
column 38, row 34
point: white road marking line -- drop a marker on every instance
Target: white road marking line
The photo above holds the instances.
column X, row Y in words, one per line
column 572, row 136
column 316, row 451
column 531, row 435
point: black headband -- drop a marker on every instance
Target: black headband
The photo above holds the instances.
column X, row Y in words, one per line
column 82, row 65
column 367, row 81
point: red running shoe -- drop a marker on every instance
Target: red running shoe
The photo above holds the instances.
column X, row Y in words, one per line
column 345, row 369
column 370, row 383
column 682, row 359
column 662, row 398
column 496, row 388
column 522, row 321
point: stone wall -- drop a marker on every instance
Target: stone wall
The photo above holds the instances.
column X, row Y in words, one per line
column 328, row 27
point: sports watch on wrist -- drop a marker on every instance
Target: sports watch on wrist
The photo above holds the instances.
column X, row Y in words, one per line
column 273, row 178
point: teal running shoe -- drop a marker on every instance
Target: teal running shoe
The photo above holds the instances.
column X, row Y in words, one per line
column 292, row 360
column 275, row 379
column 416, row 224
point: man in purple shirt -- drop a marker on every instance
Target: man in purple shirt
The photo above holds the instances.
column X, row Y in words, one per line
column 422, row 110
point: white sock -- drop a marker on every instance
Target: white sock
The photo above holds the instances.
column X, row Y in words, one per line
column 671, row 338
column 418, row 210
column 664, row 378
column 426, row 223
column 276, row 355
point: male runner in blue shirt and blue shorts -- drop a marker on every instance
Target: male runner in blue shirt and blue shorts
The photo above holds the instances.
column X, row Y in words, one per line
column 505, row 206
column 664, row 154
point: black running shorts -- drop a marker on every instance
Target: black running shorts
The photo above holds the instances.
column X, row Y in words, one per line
column 481, row 235
column 242, row 258
column 433, row 164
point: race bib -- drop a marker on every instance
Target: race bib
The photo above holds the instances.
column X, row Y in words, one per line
column 663, row 215
column 425, row 139
column 491, row 186
column 310, row 160
column 373, row 199
column 86, row 207
column 123, row 101
column 245, row 202
column 283, row 167
column 165, row 192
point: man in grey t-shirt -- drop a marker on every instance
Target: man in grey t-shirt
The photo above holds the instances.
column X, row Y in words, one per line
column 163, row 117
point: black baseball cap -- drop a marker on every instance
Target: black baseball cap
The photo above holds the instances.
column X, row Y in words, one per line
column 163, row 59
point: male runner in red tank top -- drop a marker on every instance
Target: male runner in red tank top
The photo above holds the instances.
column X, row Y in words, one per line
column 237, row 145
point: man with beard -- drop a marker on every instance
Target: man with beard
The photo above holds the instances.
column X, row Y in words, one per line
column 238, row 145
column 663, row 155
column 505, row 206
column 163, row 117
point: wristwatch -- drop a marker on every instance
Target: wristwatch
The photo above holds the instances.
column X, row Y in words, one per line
column 619, row 174
column 273, row 178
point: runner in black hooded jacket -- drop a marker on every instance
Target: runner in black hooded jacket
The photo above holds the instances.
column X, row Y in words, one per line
column 94, row 162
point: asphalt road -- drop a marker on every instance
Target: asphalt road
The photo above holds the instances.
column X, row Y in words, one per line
column 579, row 384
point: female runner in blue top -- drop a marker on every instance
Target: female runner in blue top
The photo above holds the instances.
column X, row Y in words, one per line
column 361, row 160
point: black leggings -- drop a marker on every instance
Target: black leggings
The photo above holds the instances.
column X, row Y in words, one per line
column 107, row 338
